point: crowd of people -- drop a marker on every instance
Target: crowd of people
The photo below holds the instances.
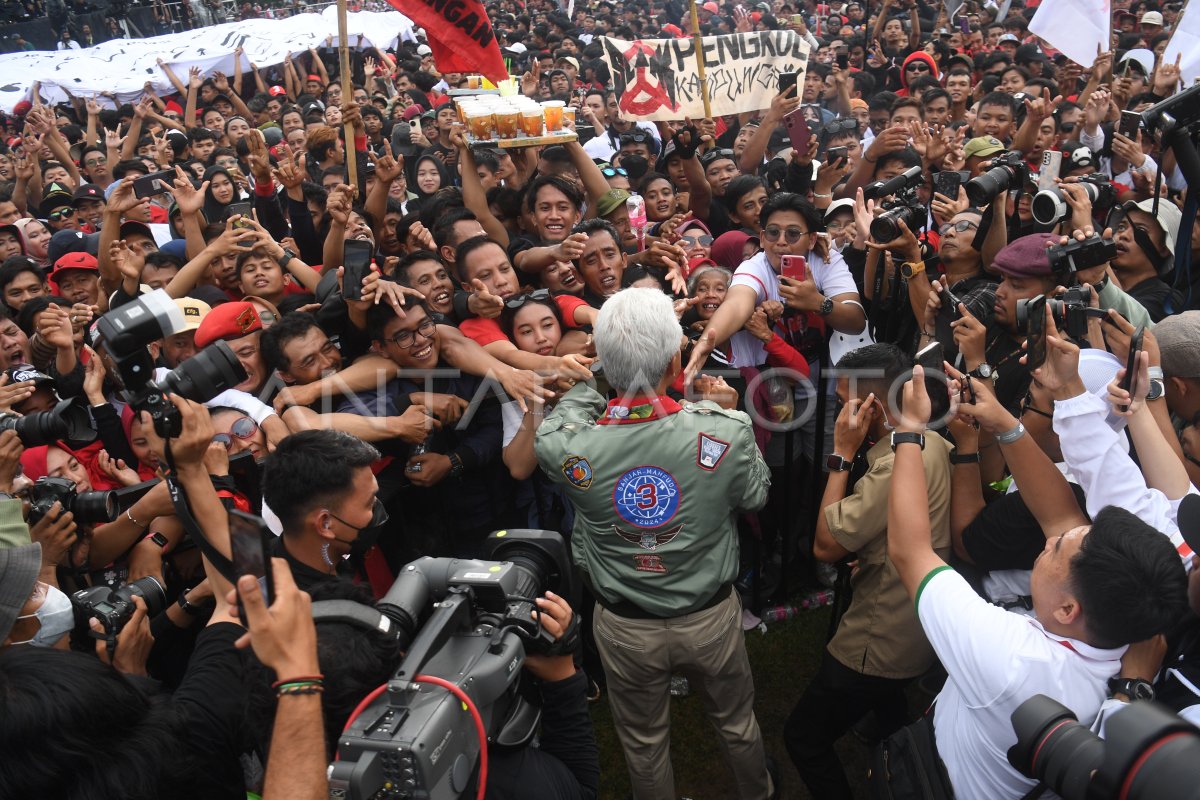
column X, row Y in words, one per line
column 949, row 270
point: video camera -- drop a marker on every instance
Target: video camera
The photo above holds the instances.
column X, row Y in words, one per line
column 1070, row 311
column 128, row 329
column 1068, row 259
column 86, row 507
column 415, row 741
column 905, row 206
column 1147, row 753
column 1003, row 173
column 1175, row 122
column 1050, row 206
column 114, row 607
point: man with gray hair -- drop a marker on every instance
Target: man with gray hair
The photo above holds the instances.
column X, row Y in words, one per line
column 657, row 487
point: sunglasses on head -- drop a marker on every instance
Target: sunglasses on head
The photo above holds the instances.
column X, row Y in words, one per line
column 713, row 155
column 612, row 172
column 840, row 126
column 243, row 428
column 639, row 137
column 791, row 235
column 520, row 300
column 59, row 214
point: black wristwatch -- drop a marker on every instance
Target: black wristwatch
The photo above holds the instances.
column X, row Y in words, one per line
column 1133, row 688
column 984, row 372
column 191, row 609
column 826, row 307
column 964, row 458
column 287, row 256
column 836, row 463
column 903, row 437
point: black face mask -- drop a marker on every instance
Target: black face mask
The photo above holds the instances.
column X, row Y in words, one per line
column 635, row 166
column 368, row 535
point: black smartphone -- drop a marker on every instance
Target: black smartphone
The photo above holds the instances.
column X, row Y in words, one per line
column 244, row 210
column 931, row 357
column 250, row 545
column 947, row 183
column 1129, row 124
column 152, row 184
column 787, row 80
column 1131, row 363
column 843, row 59
column 356, row 258
column 949, row 302
column 835, row 154
column 1035, row 342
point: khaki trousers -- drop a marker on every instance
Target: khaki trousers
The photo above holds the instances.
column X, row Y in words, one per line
column 707, row 647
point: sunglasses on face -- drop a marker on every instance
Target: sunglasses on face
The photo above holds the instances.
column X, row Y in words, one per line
column 917, row 66
column 60, row 214
column 406, row 339
column 243, row 428
column 771, row 233
column 692, row 241
column 520, row 300
column 612, row 172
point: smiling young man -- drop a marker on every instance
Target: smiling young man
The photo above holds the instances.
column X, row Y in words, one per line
column 555, row 205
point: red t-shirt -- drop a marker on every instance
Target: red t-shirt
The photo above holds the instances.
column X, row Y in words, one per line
column 486, row 331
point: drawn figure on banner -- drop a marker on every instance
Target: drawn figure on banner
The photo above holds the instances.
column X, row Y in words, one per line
column 644, row 82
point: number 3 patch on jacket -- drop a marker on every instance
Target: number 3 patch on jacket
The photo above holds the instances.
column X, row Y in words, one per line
column 709, row 452
column 646, row 497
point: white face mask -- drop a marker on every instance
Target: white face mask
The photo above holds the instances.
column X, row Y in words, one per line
column 56, row 616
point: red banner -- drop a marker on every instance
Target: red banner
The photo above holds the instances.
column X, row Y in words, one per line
column 460, row 35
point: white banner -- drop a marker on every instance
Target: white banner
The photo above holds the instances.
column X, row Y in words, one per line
column 657, row 79
column 1075, row 27
column 1186, row 41
column 123, row 66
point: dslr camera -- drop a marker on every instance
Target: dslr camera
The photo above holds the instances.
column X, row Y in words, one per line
column 128, row 329
column 1068, row 259
column 903, row 206
column 1050, row 206
column 1147, row 753
column 1004, row 172
column 87, row 507
column 114, row 607
column 68, row 420
column 1070, row 310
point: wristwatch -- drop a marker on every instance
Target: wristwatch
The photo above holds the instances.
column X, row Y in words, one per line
column 984, row 371
column 836, row 463
column 910, row 268
column 1133, row 688
column 1157, row 388
column 159, row 539
column 826, row 307
column 287, row 256
column 963, row 458
column 189, row 608
column 904, row 437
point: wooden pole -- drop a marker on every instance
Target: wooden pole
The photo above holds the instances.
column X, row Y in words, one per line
column 700, row 60
column 347, row 94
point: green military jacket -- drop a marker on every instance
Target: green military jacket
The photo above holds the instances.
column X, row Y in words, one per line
column 657, row 489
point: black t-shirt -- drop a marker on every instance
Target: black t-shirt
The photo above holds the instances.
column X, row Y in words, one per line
column 1005, row 534
column 1154, row 295
column 306, row 577
column 1012, row 377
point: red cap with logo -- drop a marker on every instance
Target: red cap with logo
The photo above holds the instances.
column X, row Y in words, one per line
column 277, row 91
column 85, row 261
column 228, row 321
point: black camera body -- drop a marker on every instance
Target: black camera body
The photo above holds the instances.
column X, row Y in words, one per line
column 128, row 329
column 114, row 607
column 904, row 206
column 68, row 420
column 87, row 508
column 1070, row 310
column 1004, row 172
column 1068, row 259
column 1050, row 206
column 415, row 741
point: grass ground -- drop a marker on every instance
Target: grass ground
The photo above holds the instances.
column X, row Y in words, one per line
column 783, row 660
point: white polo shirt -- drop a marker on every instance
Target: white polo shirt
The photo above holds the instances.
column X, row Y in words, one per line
column 831, row 277
column 997, row 660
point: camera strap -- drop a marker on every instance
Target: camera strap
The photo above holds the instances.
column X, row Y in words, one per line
column 183, row 512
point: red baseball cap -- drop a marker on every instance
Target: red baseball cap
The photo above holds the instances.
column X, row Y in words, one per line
column 22, row 108
column 277, row 91
column 228, row 321
column 84, row 261
column 316, row 78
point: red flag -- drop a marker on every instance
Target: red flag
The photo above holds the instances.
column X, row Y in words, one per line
column 460, row 35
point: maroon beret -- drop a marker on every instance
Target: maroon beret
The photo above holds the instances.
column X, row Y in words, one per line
column 1025, row 257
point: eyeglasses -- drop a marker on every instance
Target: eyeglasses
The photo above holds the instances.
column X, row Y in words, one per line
column 962, row 226
column 407, row 339
column 692, row 241
column 771, row 233
column 520, row 300
column 612, row 172
column 243, row 428
column 59, row 214
column 833, row 128
column 95, row 162
column 917, row 66
column 712, row 155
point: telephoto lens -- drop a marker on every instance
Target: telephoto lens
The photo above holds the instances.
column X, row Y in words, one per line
column 87, row 508
column 68, row 420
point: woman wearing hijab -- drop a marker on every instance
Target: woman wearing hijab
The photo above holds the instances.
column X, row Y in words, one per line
column 35, row 237
column 428, row 175
column 221, row 192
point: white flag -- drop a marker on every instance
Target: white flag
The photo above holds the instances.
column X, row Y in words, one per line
column 1186, row 40
column 1075, row 27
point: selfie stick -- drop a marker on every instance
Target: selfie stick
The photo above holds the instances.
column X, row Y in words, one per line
column 347, row 92
column 699, row 44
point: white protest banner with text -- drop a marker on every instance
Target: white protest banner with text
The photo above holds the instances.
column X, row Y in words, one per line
column 658, row 79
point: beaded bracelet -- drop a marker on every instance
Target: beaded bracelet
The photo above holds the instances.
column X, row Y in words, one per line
column 301, row 687
column 298, row 679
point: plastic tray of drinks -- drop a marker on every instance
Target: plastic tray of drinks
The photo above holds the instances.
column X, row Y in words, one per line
column 522, row 140
column 470, row 92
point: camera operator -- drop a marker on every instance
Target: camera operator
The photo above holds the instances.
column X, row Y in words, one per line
column 1096, row 588
column 57, row 704
column 1146, row 253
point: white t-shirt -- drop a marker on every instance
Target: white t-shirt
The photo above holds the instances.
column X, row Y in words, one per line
column 601, row 145
column 831, row 277
column 996, row 661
